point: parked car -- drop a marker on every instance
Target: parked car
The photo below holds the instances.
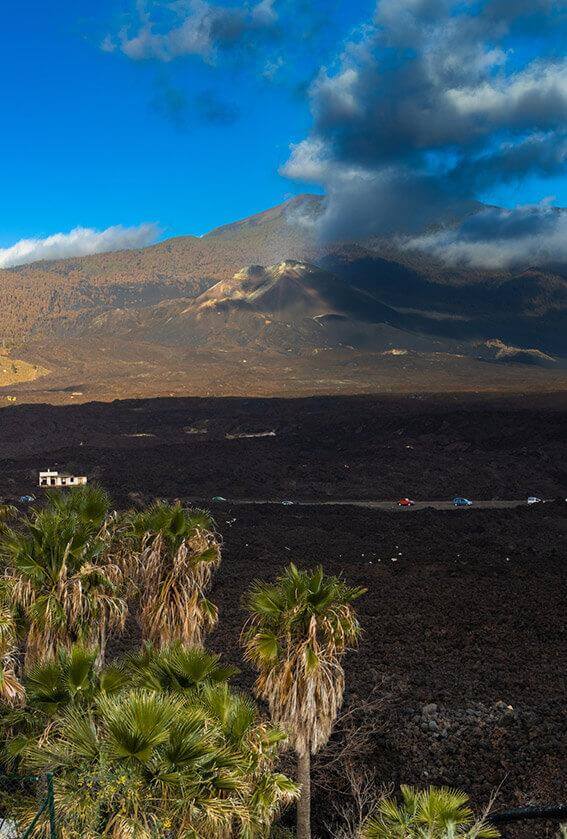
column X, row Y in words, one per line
column 462, row 502
column 218, row 499
column 533, row 499
column 405, row 502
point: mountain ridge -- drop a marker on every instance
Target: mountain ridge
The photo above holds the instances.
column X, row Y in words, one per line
column 263, row 284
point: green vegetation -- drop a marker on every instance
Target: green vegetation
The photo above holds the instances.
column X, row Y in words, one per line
column 297, row 634
column 61, row 575
column 11, row 690
column 140, row 761
column 157, row 744
column 434, row 813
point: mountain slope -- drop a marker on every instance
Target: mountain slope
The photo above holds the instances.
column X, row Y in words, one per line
column 290, row 307
column 293, row 288
column 355, row 317
column 61, row 292
column 524, row 307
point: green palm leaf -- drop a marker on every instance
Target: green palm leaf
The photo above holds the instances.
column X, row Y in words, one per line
column 434, row 813
column 137, row 723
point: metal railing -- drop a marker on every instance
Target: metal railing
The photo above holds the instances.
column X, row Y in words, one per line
column 556, row 813
column 27, row 807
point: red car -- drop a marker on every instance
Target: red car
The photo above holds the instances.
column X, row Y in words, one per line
column 405, row 502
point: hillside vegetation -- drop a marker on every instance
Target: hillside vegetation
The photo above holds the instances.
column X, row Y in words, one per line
column 34, row 296
column 13, row 371
column 262, row 307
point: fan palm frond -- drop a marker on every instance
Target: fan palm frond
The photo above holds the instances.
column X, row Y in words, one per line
column 298, row 630
column 433, row 813
column 11, row 689
column 177, row 551
column 161, row 764
column 62, row 576
column 91, row 503
column 176, row 668
column 138, row 722
column 71, row 678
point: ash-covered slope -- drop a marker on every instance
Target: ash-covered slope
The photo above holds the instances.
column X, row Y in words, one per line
column 292, row 308
column 293, row 288
column 186, row 316
column 525, row 308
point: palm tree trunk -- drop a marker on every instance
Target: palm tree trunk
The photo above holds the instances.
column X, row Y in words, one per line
column 304, row 803
column 101, row 647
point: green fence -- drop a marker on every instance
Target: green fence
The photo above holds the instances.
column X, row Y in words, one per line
column 27, row 807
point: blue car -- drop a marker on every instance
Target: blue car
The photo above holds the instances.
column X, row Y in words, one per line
column 462, row 502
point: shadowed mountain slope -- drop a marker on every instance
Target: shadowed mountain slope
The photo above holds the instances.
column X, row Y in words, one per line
column 359, row 315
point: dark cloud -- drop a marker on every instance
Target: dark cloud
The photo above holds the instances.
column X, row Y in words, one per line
column 171, row 102
column 428, row 106
column 543, row 155
column 498, row 238
column 215, row 110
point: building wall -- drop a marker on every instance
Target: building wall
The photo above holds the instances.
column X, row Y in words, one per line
column 59, row 481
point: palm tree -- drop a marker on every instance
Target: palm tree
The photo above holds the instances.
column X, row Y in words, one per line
column 176, row 551
column 60, row 573
column 175, row 668
column 257, row 743
column 11, row 689
column 7, row 511
column 297, row 633
column 147, row 764
column 434, row 813
column 71, row 678
column 91, row 503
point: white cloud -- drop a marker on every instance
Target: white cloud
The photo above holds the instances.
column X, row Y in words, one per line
column 507, row 100
column 81, row 241
column 498, row 238
column 200, row 31
column 429, row 107
column 307, row 161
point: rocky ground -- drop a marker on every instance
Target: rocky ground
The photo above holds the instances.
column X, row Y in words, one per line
column 460, row 675
column 322, row 447
column 459, row 678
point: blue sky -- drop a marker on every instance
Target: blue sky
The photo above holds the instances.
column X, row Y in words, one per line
column 113, row 113
column 87, row 139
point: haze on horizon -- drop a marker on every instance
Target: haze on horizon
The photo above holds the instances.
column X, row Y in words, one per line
column 144, row 120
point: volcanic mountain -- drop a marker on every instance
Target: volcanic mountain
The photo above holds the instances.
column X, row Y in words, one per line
column 291, row 307
column 259, row 306
column 293, row 289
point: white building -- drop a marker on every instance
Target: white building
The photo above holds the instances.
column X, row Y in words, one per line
column 49, row 478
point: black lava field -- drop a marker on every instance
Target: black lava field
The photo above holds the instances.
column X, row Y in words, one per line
column 464, row 653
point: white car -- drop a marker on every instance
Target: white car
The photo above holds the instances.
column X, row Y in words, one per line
column 533, row 499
